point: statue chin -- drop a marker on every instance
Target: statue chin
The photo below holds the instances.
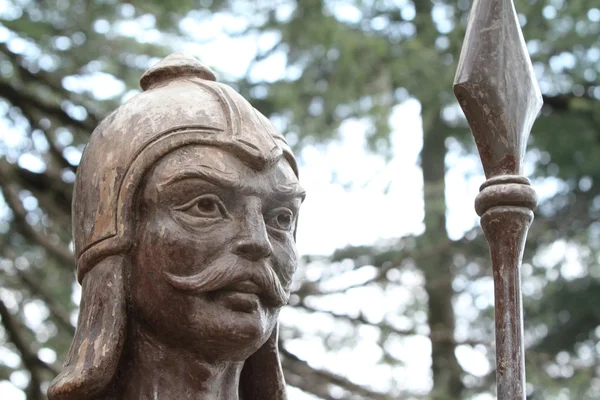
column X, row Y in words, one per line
column 242, row 327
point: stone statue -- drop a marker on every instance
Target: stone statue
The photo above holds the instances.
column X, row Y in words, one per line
column 184, row 216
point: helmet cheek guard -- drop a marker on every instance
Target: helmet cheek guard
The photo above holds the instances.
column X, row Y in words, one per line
column 95, row 352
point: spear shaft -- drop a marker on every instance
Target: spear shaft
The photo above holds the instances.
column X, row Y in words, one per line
column 497, row 90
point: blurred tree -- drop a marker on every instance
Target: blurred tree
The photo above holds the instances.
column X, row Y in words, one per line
column 64, row 64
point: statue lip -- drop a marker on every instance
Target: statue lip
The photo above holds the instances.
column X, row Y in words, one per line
column 250, row 289
column 244, row 296
column 244, row 287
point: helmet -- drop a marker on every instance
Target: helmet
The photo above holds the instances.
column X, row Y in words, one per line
column 181, row 104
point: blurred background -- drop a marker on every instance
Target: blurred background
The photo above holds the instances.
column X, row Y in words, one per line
column 394, row 296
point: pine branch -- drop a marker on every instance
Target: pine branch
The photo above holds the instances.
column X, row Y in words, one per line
column 318, row 388
column 439, row 335
column 11, row 197
column 40, row 291
column 23, row 100
column 563, row 102
column 311, row 376
column 360, row 320
column 45, row 79
column 41, row 76
column 42, row 184
column 53, row 148
column 30, row 359
column 309, row 288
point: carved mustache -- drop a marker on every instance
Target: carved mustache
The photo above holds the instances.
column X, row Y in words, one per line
column 221, row 274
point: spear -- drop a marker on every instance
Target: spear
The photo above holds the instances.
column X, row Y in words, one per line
column 496, row 88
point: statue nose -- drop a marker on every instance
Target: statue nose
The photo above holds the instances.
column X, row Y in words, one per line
column 253, row 242
column 252, row 249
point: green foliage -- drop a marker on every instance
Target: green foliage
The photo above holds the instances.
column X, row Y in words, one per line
column 343, row 60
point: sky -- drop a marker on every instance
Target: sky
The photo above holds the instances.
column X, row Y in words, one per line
column 382, row 201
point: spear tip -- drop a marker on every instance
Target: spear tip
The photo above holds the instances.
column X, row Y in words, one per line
column 496, row 86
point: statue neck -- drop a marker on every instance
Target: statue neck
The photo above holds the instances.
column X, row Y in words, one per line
column 159, row 372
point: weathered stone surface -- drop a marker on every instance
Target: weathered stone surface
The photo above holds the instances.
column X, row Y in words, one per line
column 184, row 215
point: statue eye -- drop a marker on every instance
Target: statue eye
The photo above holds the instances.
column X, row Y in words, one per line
column 206, row 206
column 281, row 219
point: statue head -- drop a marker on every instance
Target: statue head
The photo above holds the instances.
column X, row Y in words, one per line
column 184, row 215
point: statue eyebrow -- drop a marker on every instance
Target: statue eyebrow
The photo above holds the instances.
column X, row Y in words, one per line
column 204, row 172
column 228, row 179
column 290, row 191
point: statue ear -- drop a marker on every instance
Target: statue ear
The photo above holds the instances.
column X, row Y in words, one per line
column 96, row 348
column 262, row 376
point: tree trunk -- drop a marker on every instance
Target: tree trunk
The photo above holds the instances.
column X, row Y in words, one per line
column 437, row 266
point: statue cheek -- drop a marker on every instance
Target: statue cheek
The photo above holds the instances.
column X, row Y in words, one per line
column 285, row 261
column 166, row 246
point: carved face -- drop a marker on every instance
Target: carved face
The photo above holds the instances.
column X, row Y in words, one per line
column 216, row 242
